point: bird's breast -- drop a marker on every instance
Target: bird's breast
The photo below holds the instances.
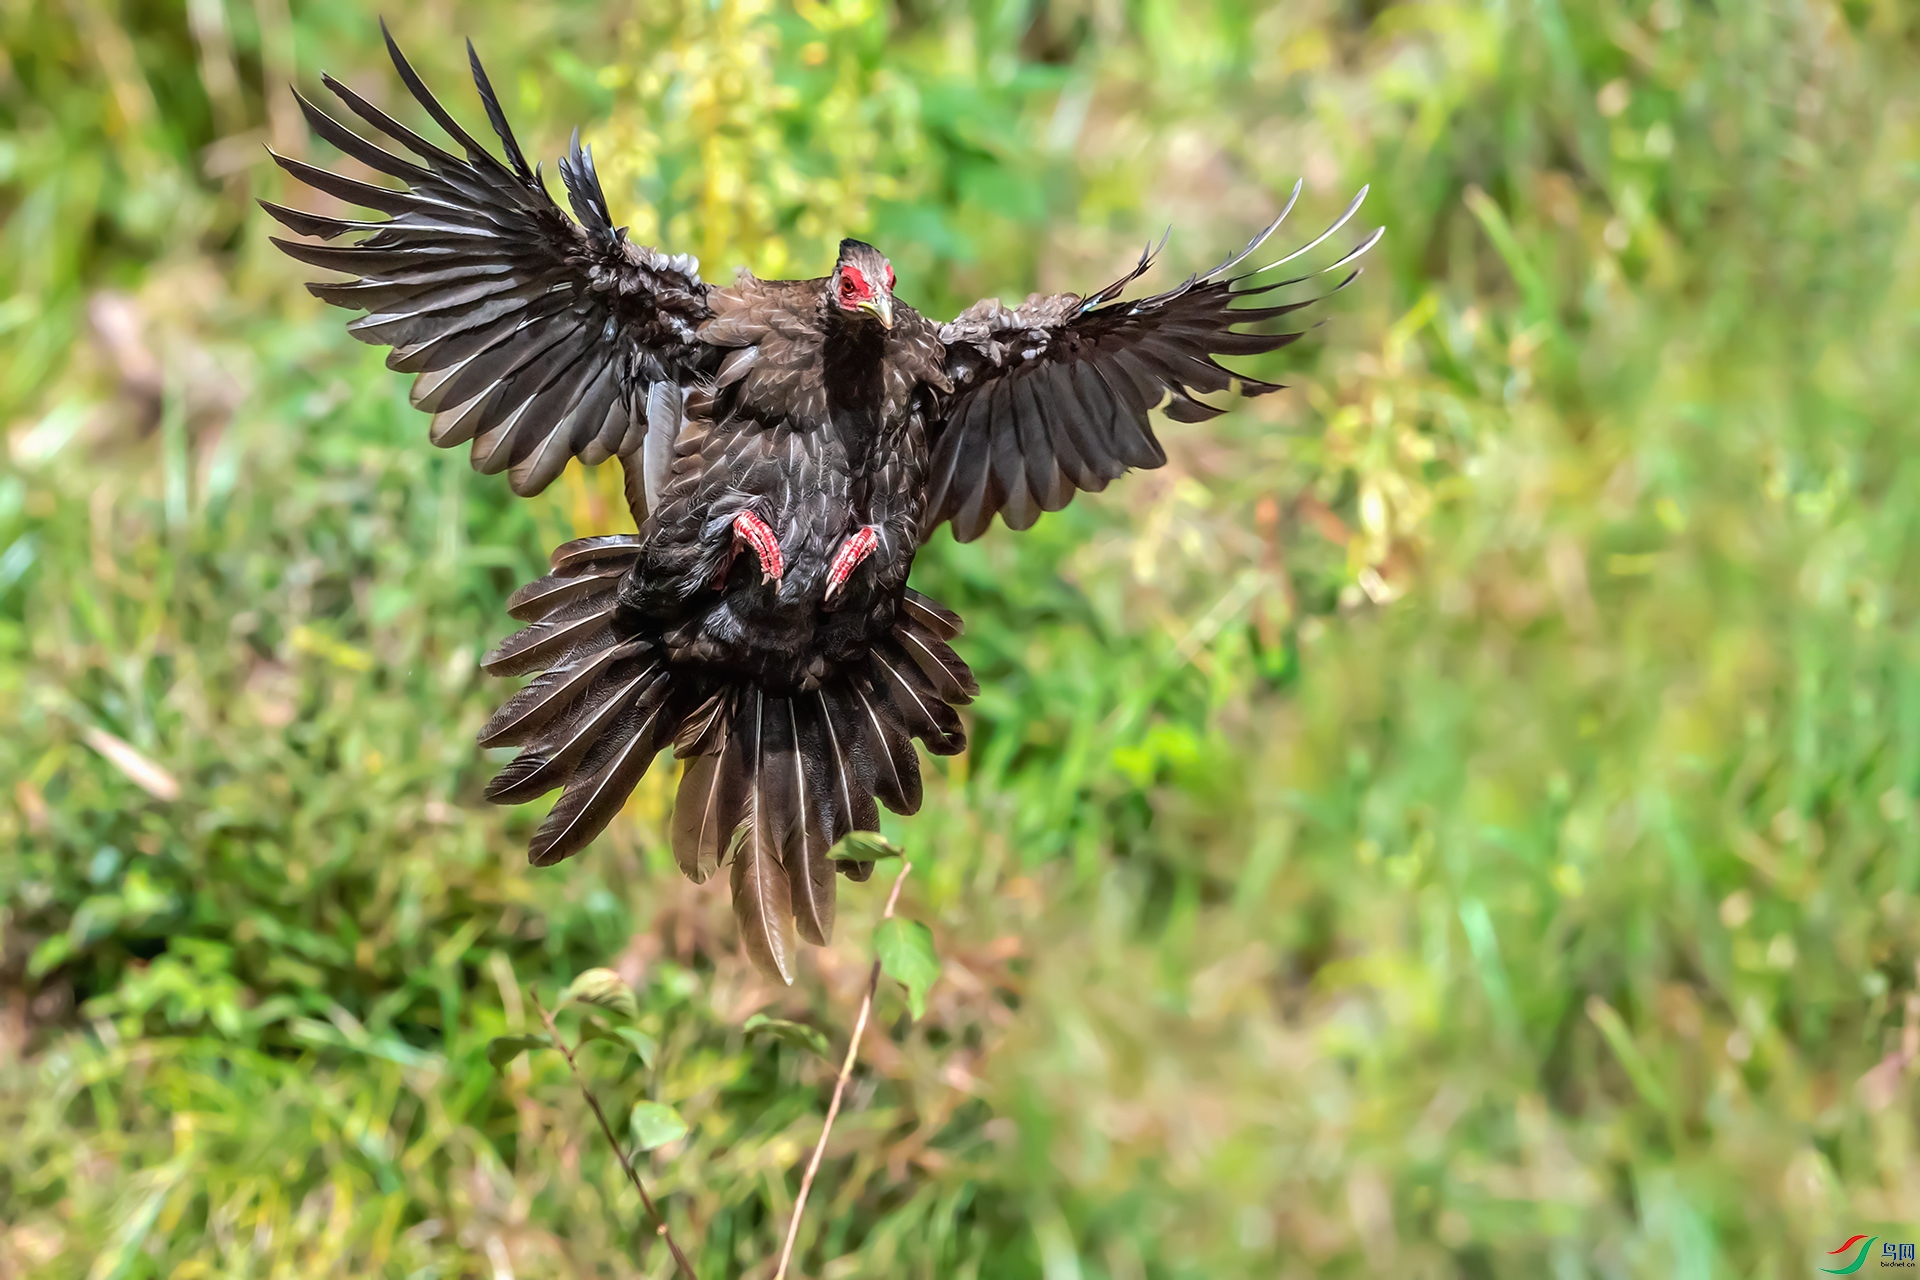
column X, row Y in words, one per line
column 814, row 485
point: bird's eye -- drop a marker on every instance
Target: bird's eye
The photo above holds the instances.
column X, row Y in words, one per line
column 889, row 275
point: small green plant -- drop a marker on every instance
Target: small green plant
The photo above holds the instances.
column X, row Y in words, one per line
column 903, row 950
column 916, row 987
column 611, row 1012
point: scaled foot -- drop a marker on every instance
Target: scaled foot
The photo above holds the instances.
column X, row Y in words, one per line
column 750, row 530
column 858, row 546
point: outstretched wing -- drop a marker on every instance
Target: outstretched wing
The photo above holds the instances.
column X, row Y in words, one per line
column 534, row 336
column 1052, row 397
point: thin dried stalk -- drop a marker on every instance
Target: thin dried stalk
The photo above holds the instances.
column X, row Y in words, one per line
column 839, row 1088
column 620, row 1152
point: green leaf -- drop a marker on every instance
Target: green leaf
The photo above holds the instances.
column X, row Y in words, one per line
column 798, row 1034
column 604, row 990
column 504, row 1049
column 49, row 955
column 655, row 1124
column 864, row 846
column 642, row 1044
column 905, row 948
column 1645, row 1079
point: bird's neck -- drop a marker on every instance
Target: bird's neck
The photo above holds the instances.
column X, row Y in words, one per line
column 852, row 363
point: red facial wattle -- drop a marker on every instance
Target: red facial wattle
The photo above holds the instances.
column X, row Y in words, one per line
column 854, row 292
column 854, row 288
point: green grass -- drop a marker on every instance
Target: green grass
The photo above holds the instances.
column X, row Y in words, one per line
column 1457, row 819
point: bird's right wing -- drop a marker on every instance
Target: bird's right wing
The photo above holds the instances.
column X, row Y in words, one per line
column 533, row 336
column 1051, row 398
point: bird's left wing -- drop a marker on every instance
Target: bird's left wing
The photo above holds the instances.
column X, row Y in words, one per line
column 534, row 336
column 1051, row 398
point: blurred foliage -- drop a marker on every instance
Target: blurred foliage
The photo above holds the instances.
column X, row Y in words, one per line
column 1456, row 819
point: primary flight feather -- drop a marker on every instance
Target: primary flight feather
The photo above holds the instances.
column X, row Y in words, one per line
column 788, row 445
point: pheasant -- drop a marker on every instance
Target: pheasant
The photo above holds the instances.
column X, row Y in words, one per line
column 787, row 446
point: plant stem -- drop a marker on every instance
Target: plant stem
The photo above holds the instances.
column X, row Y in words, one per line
column 620, row 1153
column 839, row 1088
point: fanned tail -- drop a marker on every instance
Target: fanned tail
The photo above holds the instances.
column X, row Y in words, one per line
column 771, row 780
column 594, row 720
column 774, row 781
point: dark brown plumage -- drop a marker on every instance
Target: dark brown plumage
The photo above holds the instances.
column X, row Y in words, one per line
column 788, row 445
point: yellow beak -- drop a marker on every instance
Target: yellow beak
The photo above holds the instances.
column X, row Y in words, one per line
column 880, row 306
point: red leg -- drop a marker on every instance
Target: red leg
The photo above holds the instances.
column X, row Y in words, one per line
column 752, row 530
column 858, row 546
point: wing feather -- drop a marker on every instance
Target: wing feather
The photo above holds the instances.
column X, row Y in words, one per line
column 532, row 333
column 1053, row 397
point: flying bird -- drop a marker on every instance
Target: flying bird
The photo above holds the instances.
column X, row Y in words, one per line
column 787, row 446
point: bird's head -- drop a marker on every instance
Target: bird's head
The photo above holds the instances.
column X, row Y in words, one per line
column 862, row 283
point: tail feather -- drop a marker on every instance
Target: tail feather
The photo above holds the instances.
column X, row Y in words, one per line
column 543, row 595
column 848, row 767
column 926, row 716
column 774, row 795
column 585, row 566
column 712, row 799
column 849, row 761
column 588, row 805
column 809, row 870
column 620, row 547
column 771, row 781
column 555, row 758
column 566, row 631
column 532, row 709
column 931, row 614
column 952, row 681
column 896, row 773
column 699, row 736
column 763, row 908
column 699, row 834
column 762, row 894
